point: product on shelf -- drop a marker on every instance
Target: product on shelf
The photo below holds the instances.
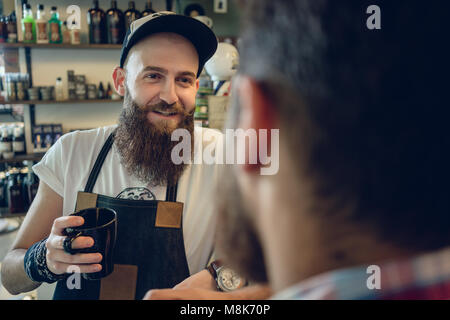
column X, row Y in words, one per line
column 33, row 93
column 12, row 28
column 6, row 144
column 74, row 33
column 55, row 33
column 59, row 92
column 44, row 136
column 3, row 29
column 57, row 132
column 109, row 92
column 18, row 187
column 12, row 141
column 16, row 86
column 148, row 9
column 65, row 33
column 18, row 141
column 3, row 186
column 115, row 24
column 71, row 87
column 131, row 14
column 92, row 91
column 101, row 94
column 47, row 93
column 80, row 86
column 28, row 25
column 96, row 20
column 10, row 84
column 24, row 7
column 32, row 185
column 16, row 197
column 41, row 25
column 205, row 89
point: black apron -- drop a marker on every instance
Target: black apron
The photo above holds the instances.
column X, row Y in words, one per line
column 149, row 251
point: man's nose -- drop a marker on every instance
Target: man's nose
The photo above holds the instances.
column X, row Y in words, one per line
column 168, row 93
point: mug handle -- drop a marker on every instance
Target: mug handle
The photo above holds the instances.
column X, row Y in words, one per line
column 67, row 243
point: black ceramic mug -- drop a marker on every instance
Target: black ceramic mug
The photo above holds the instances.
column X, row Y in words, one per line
column 101, row 225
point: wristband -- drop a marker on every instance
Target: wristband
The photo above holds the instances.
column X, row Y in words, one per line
column 35, row 263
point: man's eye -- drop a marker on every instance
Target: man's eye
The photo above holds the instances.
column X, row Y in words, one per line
column 185, row 80
column 153, row 76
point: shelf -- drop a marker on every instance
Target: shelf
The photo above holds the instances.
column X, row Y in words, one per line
column 60, row 46
column 5, row 214
column 25, row 157
column 61, row 101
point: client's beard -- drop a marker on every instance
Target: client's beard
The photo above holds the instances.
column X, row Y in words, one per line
column 237, row 241
column 145, row 149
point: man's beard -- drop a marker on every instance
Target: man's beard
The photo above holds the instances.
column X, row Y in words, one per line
column 236, row 238
column 145, row 148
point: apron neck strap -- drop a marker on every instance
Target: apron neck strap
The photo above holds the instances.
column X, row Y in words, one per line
column 171, row 192
column 99, row 163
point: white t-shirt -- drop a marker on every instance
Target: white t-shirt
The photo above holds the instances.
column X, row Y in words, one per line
column 66, row 167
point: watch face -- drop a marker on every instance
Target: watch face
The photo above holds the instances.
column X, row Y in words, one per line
column 228, row 280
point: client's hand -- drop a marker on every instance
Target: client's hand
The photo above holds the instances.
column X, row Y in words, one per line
column 202, row 286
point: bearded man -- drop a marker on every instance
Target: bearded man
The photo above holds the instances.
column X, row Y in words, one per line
column 128, row 167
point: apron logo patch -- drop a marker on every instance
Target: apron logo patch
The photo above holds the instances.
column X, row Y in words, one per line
column 136, row 193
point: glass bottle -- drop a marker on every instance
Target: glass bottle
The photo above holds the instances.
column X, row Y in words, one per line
column 74, row 34
column 148, row 9
column 96, row 20
column 18, row 143
column 22, row 180
column 32, row 185
column 109, row 92
column 41, row 25
column 3, row 30
column 5, row 142
column 3, row 190
column 101, row 91
column 59, row 92
column 12, row 28
column 15, row 194
column 65, row 33
column 55, row 34
column 115, row 24
column 131, row 14
column 28, row 26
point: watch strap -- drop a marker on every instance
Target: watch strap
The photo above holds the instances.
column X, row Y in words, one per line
column 213, row 267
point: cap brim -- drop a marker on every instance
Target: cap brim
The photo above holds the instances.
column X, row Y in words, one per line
column 201, row 36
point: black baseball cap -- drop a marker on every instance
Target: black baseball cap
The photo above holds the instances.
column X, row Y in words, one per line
column 201, row 36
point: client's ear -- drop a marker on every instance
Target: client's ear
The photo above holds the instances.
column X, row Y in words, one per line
column 257, row 113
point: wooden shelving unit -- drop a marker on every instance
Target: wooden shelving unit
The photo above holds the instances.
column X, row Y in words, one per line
column 25, row 157
column 29, row 114
column 61, row 101
column 60, row 46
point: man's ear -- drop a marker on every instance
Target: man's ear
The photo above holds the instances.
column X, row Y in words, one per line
column 119, row 78
column 257, row 112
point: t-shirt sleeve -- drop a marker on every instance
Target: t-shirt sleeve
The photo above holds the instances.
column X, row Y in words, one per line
column 50, row 169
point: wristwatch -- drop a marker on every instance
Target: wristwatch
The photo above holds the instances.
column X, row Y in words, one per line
column 226, row 279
